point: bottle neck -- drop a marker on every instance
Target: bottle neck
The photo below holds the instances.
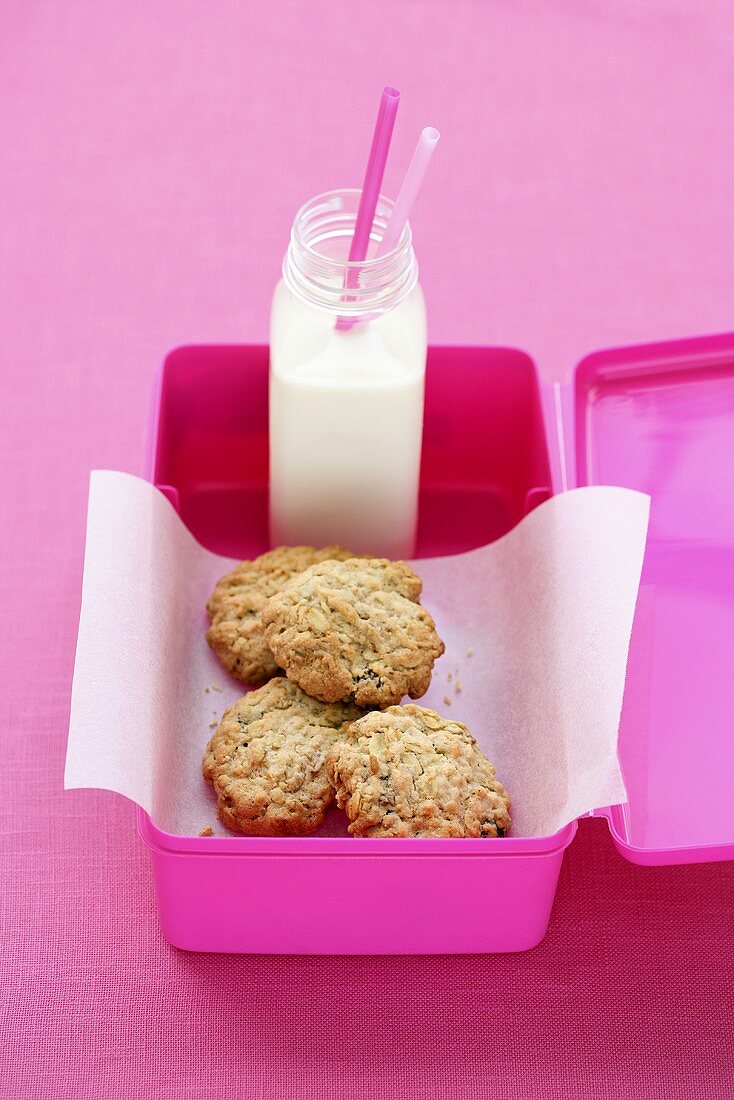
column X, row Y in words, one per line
column 316, row 268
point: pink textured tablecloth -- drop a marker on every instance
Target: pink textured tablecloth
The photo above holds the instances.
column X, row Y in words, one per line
column 151, row 158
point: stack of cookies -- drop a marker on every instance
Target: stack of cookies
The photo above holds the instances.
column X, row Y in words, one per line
column 353, row 639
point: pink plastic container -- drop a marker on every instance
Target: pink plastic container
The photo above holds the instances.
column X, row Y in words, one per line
column 496, row 443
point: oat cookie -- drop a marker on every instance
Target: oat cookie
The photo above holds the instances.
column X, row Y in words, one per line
column 236, row 633
column 267, row 760
column 354, row 630
column 407, row 771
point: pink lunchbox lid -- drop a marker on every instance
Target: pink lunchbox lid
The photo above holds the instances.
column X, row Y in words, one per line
column 660, row 418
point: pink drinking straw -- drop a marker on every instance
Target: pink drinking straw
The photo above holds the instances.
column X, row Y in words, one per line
column 427, row 142
column 371, row 186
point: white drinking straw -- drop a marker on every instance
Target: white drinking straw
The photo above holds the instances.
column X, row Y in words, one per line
column 427, row 142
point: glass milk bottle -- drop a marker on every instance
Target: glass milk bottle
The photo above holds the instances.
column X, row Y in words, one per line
column 347, row 368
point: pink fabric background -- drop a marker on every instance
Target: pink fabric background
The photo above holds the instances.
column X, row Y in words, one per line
column 152, row 156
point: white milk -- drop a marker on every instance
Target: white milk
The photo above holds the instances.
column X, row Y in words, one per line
column 346, row 408
column 346, row 418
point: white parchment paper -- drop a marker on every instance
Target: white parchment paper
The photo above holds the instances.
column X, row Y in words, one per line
column 536, row 625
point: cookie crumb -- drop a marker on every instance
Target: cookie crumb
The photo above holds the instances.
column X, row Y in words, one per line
column 206, row 691
column 449, row 678
column 213, row 725
column 216, row 687
column 470, row 650
column 447, row 700
column 206, row 831
column 457, row 689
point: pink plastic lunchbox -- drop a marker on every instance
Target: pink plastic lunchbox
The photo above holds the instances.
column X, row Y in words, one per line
column 497, row 442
